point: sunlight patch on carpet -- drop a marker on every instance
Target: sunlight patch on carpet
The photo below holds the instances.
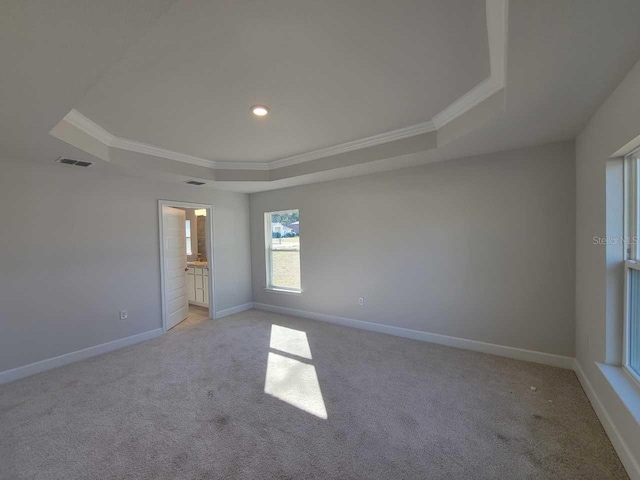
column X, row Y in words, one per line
column 295, row 383
column 290, row 341
column 290, row 380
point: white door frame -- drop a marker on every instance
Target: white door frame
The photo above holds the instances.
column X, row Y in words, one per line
column 209, row 248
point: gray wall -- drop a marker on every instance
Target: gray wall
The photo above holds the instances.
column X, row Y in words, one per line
column 599, row 273
column 78, row 245
column 480, row 248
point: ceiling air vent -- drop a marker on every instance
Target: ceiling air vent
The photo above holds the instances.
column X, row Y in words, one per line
column 77, row 163
column 193, row 182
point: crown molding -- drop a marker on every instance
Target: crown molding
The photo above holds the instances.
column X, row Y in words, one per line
column 473, row 97
column 89, row 127
column 497, row 34
column 239, row 165
column 145, row 148
column 374, row 140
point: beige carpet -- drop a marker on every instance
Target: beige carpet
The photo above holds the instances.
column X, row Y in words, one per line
column 259, row 395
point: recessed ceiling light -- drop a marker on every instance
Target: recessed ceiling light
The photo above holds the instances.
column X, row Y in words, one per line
column 260, row 110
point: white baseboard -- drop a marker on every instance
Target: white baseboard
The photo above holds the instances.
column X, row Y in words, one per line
column 491, row 348
column 43, row 365
column 234, row 310
column 65, row 359
column 626, row 456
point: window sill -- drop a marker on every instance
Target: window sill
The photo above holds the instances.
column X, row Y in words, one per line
column 282, row 290
column 624, row 385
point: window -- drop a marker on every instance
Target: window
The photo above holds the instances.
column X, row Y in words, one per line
column 633, row 323
column 631, row 344
column 188, row 230
column 282, row 255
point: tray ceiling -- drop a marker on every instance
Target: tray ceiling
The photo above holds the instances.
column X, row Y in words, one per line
column 557, row 73
column 332, row 72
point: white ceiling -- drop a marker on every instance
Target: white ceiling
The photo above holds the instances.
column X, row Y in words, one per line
column 332, row 71
column 564, row 57
column 51, row 54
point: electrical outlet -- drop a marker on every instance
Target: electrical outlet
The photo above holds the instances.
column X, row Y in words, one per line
column 124, row 314
column 361, row 301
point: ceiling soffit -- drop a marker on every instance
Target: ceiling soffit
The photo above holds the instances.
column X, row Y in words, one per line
column 471, row 110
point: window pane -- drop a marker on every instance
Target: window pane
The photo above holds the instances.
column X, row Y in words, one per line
column 286, row 268
column 188, row 234
column 634, row 321
column 284, row 249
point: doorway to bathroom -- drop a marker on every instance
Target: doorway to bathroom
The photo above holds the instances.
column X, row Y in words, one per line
column 186, row 262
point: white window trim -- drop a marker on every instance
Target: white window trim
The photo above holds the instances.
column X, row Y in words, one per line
column 268, row 239
column 631, row 209
column 285, row 291
column 632, row 262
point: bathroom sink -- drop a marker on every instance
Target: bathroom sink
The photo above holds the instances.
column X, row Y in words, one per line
column 197, row 264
